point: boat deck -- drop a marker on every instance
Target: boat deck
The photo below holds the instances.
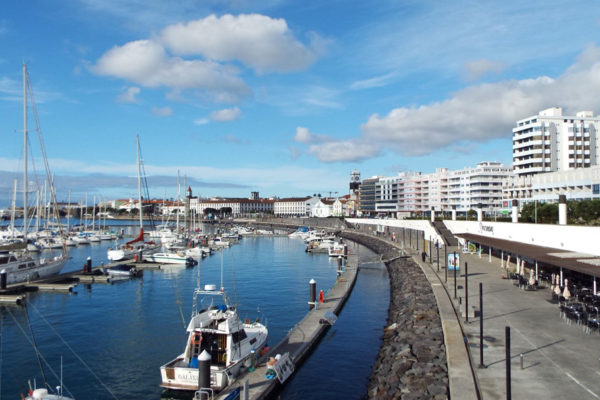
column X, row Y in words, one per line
column 302, row 339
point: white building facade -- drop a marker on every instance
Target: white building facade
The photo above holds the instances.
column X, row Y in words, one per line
column 294, row 206
column 551, row 141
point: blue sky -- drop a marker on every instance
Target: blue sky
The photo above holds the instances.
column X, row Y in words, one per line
column 283, row 97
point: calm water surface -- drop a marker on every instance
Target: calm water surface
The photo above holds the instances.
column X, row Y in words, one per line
column 114, row 337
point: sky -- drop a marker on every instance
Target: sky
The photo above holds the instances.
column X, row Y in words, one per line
column 281, row 97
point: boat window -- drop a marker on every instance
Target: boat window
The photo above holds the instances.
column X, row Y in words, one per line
column 21, row 266
column 239, row 336
column 3, row 260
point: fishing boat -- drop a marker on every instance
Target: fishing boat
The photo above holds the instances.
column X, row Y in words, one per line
column 218, row 330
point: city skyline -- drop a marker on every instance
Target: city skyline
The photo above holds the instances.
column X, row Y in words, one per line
column 284, row 98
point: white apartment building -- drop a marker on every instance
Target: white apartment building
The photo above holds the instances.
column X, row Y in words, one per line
column 551, row 141
column 480, row 185
column 294, row 206
column 465, row 189
column 576, row 184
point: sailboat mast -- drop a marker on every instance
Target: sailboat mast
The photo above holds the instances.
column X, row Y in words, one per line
column 137, row 138
column 25, row 151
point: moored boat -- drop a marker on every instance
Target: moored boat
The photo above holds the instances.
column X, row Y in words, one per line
column 218, row 330
column 171, row 258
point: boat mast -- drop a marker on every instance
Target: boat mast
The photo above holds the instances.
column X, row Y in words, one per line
column 137, row 138
column 14, row 206
column 25, row 152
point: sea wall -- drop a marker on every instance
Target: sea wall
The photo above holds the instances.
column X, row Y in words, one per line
column 412, row 359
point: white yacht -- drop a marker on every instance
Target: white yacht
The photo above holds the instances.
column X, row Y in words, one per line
column 171, row 258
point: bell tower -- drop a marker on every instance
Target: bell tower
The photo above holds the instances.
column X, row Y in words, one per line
column 354, row 181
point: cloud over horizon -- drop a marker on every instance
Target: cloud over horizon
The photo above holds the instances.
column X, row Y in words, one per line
column 210, row 46
column 475, row 114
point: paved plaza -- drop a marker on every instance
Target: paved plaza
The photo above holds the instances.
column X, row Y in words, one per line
column 560, row 360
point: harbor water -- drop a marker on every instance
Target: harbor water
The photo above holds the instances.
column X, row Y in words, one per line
column 114, row 337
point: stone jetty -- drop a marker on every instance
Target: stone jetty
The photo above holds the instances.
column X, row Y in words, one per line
column 412, row 358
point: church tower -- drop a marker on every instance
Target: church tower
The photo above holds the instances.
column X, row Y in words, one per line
column 354, row 182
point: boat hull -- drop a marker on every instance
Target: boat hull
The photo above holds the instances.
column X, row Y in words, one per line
column 46, row 269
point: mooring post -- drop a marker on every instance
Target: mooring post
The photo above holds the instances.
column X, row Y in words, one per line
column 313, row 294
column 89, row 264
column 204, row 360
column 507, row 334
column 467, row 291
column 3, row 276
column 481, row 364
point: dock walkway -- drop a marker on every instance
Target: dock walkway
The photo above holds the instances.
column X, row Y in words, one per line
column 302, row 338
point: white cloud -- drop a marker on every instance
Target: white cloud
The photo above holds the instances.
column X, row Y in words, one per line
column 475, row 114
column 303, row 135
column 162, row 112
column 377, row 81
column 225, row 115
column 478, row 68
column 201, row 121
column 146, row 63
column 340, row 150
column 129, row 95
column 260, row 42
column 328, row 149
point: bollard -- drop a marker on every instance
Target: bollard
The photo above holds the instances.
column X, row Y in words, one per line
column 89, row 264
column 204, row 360
column 467, row 291
column 313, row 294
column 507, row 346
column 455, row 267
column 3, row 276
column 140, row 256
column 246, row 390
column 481, row 364
column 521, row 359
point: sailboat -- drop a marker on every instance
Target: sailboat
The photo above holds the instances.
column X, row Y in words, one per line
column 138, row 245
column 218, row 330
column 20, row 266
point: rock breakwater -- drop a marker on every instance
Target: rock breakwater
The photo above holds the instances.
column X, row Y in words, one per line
column 412, row 359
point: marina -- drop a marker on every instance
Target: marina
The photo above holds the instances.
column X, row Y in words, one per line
column 105, row 308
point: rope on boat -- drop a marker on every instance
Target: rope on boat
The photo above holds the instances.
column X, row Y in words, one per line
column 72, row 351
column 40, row 354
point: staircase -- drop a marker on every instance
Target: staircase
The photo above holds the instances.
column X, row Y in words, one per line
column 444, row 232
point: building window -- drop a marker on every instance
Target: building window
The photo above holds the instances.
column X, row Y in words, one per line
column 596, row 188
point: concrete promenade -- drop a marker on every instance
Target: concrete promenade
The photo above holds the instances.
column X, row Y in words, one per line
column 560, row 360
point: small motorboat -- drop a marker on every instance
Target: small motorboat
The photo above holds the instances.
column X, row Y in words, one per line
column 122, row 270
